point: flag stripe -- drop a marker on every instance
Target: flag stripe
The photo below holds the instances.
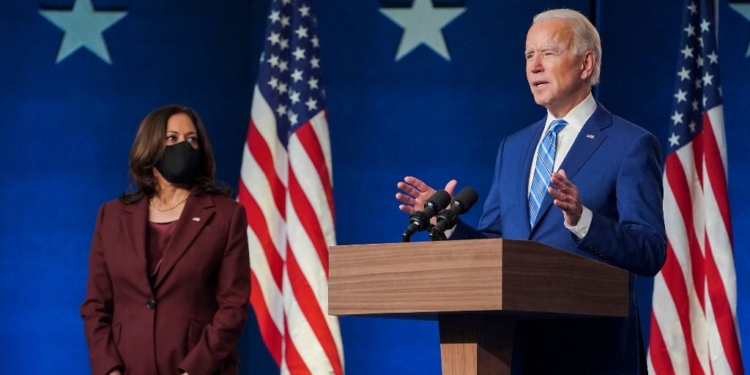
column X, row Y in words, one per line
column 665, row 314
column 680, row 296
column 659, row 349
column 308, row 220
column 262, row 155
column 265, row 269
column 260, row 228
column 269, row 291
column 716, row 173
column 309, row 140
column 313, row 314
column 681, row 191
column 724, row 317
column 293, row 361
column 271, row 336
column 687, row 250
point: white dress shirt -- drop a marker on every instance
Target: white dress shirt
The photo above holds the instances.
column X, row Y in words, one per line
column 576, row 118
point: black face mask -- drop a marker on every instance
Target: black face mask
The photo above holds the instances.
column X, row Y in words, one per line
column 180, row 163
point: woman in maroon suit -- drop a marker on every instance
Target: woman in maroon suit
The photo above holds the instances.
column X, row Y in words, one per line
column 169, row 275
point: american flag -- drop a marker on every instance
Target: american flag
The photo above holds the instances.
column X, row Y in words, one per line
column 286, row 187
column 693, row 319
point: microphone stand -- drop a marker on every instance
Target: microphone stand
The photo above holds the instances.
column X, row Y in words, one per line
column 416, row 221
column 436, row 234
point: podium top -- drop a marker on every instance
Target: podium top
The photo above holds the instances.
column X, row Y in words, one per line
column 471, row 276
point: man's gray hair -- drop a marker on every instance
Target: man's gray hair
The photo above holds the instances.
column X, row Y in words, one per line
column 585, row 36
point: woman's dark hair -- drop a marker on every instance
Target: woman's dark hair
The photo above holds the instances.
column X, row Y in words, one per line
column 148, row 149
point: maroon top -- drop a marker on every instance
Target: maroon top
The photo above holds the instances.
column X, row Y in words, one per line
column 159, row 235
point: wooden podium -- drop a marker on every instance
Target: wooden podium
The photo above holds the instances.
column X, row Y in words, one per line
column 477, row 290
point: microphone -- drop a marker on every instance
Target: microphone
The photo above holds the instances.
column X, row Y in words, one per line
column 420, row 220
column 461, row 204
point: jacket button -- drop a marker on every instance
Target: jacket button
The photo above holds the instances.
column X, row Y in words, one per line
column 151, row 304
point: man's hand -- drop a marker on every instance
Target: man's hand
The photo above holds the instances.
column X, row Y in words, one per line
column 566, row 197
column 415, row 193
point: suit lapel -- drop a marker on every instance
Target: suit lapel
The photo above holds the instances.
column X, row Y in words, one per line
column 588, row 140
column 134, row 223
column 198, row 211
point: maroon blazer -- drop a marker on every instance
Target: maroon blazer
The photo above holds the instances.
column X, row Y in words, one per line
column 193, row 317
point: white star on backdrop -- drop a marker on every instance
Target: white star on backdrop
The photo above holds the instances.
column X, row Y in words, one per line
column 422, row 24
column 744, row 10
column 83, row 27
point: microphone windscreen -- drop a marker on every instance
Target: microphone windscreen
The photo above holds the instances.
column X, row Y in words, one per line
column 441, row 199
column 467, row 197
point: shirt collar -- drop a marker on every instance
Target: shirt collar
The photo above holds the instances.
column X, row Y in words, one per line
column 578, row 115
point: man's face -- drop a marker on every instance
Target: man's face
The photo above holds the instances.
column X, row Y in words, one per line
column 556, row 76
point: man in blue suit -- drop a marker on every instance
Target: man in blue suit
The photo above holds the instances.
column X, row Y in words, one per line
column 602, row 174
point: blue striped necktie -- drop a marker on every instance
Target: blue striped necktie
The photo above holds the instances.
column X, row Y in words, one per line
column 545, row 161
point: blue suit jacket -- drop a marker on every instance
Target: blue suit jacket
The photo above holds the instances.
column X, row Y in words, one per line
column 616, row 167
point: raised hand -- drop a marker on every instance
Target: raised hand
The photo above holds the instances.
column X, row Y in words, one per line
column 566, row 197
column 415, row 193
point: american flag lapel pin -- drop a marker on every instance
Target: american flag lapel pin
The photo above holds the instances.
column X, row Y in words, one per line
column 590, row 136
column 196, row 219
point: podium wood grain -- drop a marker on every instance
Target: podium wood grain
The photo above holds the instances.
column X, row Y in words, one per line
column 476, row 288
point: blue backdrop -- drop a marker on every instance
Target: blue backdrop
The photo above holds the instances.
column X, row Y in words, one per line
column 68, row 124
